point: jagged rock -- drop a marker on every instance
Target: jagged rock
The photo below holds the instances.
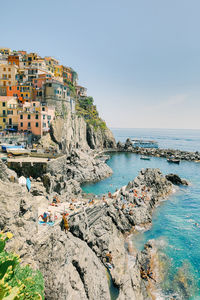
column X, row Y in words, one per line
column 7, row 174
column 175, row 179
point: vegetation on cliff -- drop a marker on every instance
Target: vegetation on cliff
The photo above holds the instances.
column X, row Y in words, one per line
column 17, row 282
column 85, row 107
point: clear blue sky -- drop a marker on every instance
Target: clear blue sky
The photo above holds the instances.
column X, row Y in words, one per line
column 139, row 59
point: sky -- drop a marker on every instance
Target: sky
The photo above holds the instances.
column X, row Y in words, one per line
column 139, row 59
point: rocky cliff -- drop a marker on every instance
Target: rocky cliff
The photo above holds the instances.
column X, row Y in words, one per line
column 73, row 264
column 71, row 132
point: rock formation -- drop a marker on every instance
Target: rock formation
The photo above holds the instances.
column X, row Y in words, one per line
column 73, row 264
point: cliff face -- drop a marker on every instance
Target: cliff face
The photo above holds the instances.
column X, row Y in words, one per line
column 71, row 132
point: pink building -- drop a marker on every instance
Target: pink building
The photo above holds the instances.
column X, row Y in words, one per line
column 35, row 118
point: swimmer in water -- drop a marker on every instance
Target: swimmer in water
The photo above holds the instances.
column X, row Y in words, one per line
column 196, row 224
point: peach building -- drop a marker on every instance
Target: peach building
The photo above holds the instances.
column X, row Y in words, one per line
column 35, row 118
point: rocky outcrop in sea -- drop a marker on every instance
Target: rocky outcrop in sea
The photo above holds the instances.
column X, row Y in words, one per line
column 157, row 152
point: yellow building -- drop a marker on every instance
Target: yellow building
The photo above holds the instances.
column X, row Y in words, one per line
column 58, row 71
column 5, row 51
column 29, row 58
column 8, row 74
column 26, row 92
column 8, row 112
column 51, row 63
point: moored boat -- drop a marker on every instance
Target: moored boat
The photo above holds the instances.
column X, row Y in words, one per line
column 173, row 160
column 145, row 157
column 17, row 151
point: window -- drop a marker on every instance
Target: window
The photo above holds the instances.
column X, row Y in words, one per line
column 33, row 104
column 29, row 117
column 43, row 117
column 4, row 104
column 29, row 124
column 44, row 124
column 21, row 117
column 18, row 88
column 4, row 112
column 26, row 95
column 43, row 109
column 36, row 117
column 21, row 124
column 36, row 124
column 9, row 82
column 4, row 69
column 9, row 69
column 9, row 76
column 4, row 120
column 10, row 88
column 49, row 117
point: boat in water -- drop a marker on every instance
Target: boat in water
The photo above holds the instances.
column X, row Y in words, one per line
column 145, row 157
column 173, row 160
column 144, row 143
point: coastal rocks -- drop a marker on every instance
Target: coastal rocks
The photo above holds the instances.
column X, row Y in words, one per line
column 7, row 174
column 158, row 152
column 73, row 264
column 70, row 268
column 102, row 228
column 175, row 179
column 68, row 172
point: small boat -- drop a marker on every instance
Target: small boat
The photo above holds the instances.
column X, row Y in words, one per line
column 17, row 151
column 173, row 160
column 7, row 147
column 145, row 157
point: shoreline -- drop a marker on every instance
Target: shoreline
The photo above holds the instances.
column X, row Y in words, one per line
column 155, row 152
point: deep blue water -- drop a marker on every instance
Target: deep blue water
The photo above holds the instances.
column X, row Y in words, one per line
column 182, row 139
column 173, row 221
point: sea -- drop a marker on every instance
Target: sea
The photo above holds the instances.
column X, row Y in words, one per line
column 176, row 222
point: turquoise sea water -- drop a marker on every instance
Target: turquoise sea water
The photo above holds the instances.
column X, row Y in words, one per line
column 173, row 221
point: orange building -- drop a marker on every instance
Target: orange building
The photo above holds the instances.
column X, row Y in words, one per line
column 13, row 60
column 14, row 91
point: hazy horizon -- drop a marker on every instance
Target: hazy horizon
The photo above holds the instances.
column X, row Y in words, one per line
column 140, row 60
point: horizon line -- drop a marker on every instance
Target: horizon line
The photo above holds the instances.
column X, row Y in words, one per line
column 154, row 128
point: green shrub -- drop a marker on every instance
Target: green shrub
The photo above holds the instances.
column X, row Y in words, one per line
column 17, row 282
column 85, row 107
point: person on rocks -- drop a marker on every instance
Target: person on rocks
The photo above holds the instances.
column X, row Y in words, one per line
column 109, row 257
column 71, row 206
column 91, row 201
column 65, row 221
column 109, row 195
column 44, row 217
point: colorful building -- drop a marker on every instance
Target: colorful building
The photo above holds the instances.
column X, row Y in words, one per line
column 35, row 118
column 8, row 112
column 81, row 91
column 13, row 60
column 8, row 74
column 6, row 51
